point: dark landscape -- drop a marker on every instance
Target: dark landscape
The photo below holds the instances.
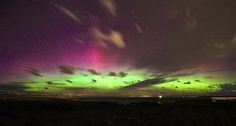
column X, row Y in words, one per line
column 139, row 111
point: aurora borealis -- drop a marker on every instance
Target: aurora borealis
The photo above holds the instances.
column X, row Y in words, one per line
column 132, row 48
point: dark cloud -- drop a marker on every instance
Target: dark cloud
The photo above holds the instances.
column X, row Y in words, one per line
column 67, row 69
column 12, row 87
column 93, row 80
column 34, row 72
column 148, row 82
column 123, row 74
column 69, row 81
column 228, row 87
column 112, row 74
column 188, row 82
column 94, row 72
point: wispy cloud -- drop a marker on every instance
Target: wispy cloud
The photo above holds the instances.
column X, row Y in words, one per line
column 110, row 5
column 114, row 37
column 138, row 28
column 69, row 13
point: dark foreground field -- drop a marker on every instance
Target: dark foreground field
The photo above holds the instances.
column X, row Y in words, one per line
column 74, row 113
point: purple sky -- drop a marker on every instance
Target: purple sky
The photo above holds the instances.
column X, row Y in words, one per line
column 174, row 35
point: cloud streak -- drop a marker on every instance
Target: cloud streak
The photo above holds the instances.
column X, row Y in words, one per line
column 69, row 13
column 115, row 37
column 110, row 5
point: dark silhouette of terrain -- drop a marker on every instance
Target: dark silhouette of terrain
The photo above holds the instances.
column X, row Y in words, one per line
column 73, row 113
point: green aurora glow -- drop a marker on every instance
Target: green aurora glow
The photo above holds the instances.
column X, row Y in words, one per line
column 206, row 82
column 195, row 83
column 84, row 80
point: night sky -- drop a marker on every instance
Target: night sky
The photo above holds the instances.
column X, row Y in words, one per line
column 133, row 44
